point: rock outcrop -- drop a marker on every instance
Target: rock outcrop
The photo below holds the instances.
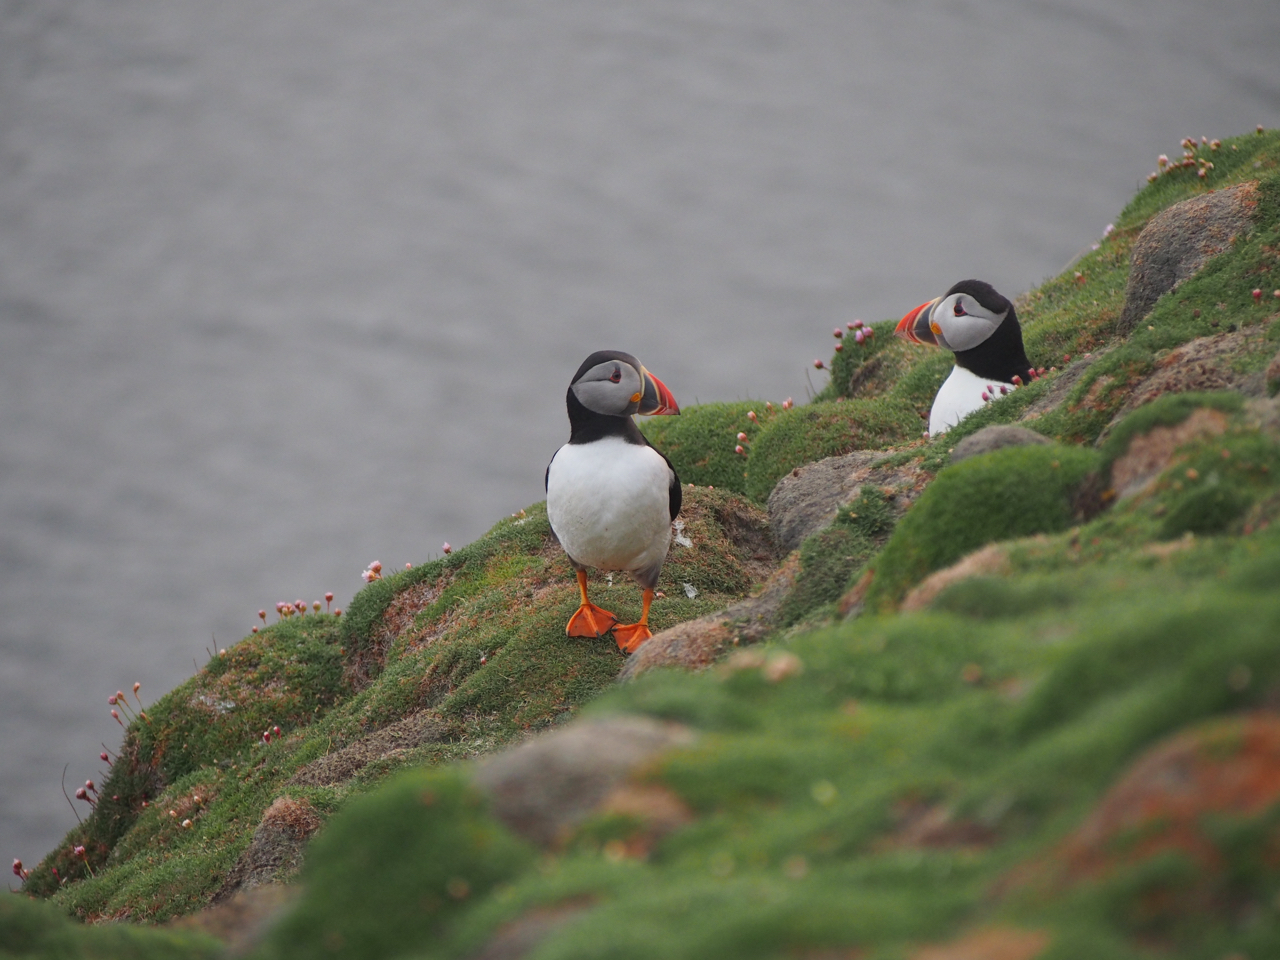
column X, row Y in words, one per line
column 1179, row 241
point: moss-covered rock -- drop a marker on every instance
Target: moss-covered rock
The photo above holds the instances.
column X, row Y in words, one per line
column 831, row 559
column 1009, row 493
column 804, row 434
column 393, row 874
column 38, row 930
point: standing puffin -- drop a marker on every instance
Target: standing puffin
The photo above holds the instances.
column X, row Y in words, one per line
column 611, row 496
column 981, row 328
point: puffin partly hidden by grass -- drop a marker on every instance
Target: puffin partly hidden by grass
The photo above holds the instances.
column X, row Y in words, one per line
column 611, row 497
column 981, row 328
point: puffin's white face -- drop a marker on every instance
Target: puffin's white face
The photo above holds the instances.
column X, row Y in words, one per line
column 613, row 388
column 959, row 322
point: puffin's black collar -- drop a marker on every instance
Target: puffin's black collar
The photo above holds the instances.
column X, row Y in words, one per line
column 1001, row 356
column 587, row 426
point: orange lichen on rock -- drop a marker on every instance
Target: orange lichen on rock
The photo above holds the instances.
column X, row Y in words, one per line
column 1226, row 767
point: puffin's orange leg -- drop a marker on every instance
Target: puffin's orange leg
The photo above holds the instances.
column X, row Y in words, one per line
column 631, row 635
column 589, row 620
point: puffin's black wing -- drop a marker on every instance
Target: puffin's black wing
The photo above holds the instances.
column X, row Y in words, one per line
column 674, row 496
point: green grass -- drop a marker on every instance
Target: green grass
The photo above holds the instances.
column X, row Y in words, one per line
column 1010, row 493
column 469, row 645
column 1013, row 721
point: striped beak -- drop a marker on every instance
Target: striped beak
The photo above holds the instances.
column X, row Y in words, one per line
column 915, row 328
column 656, row 400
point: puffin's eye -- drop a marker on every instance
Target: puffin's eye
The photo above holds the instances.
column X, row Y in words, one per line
column 616, row 376
column 959, row 310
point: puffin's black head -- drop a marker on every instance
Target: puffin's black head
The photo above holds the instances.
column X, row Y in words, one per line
column 975, row 323
column 615, row 384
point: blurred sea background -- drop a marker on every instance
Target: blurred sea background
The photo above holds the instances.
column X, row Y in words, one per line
column 289, row 287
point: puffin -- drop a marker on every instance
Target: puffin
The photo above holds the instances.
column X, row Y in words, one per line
column 611, row 496
column 981, row 328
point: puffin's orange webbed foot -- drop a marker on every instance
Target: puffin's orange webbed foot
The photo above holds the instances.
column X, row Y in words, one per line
column 631, row 635
column 590, row 621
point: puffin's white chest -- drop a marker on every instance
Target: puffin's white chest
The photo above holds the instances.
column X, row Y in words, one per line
column 958, row 397
column 608, row 502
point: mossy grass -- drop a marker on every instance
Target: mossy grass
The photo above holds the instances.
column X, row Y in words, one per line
column 392, row 874
column 1166, row 411
column 700, row 442
column 831, row 559
column 285, row 676
column 29, row 929
column 476, row 638
column 1009, row 493
column 811, row 789
column 804, row 434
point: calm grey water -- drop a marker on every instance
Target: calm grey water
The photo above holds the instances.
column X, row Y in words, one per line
column 288, row 287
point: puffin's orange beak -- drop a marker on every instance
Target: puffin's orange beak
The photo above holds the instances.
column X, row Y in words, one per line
column 656, row 400
column 914, row 327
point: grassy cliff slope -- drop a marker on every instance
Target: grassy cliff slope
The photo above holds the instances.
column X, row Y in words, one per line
column 1074, row 752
